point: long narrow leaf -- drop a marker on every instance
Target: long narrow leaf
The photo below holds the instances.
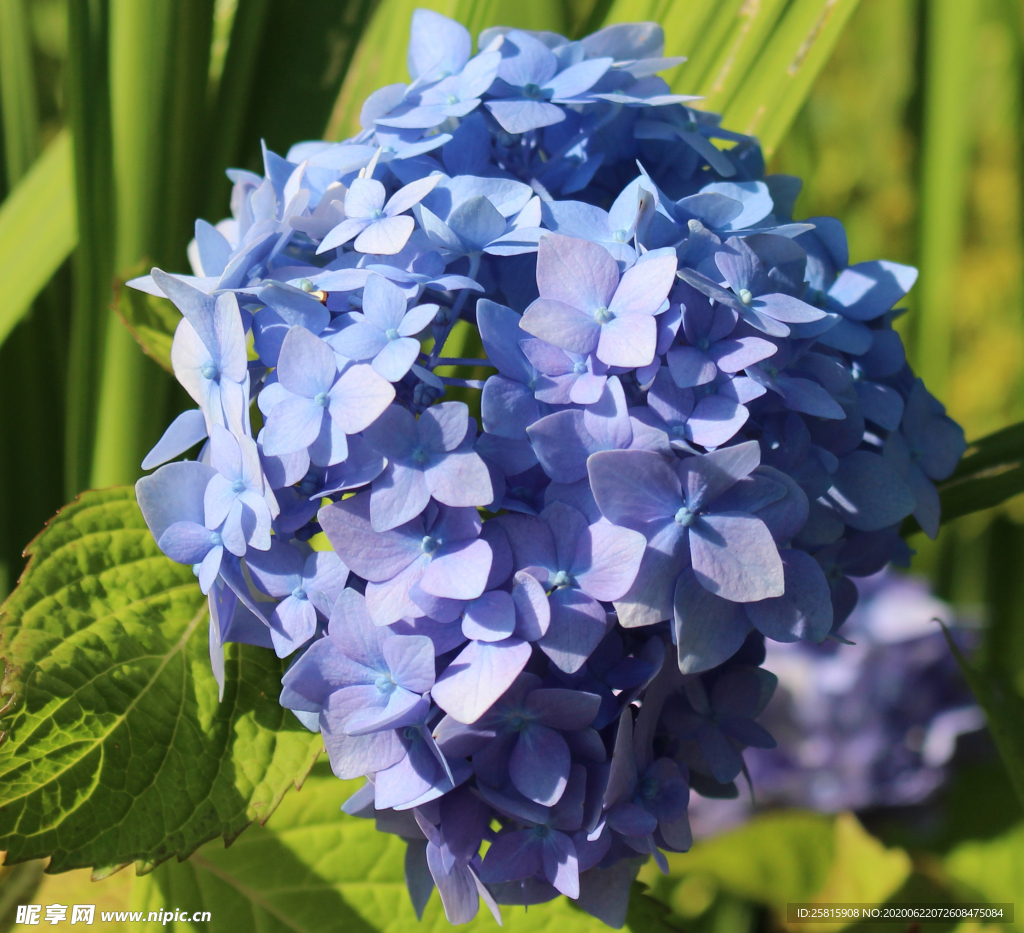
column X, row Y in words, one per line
column 17, row 91
column 685, row 21
column 707, row 45
column 776, row 86
column 37, row 230
column 227, row 117
column 949, row 57
column 159, row 67
column 753, row 24
column 88, row 101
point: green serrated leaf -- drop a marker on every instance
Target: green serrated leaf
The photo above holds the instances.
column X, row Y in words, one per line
column 115, row 747
column 1004, row 710
column 37, row 230
column 314, row 869
column 151, row 320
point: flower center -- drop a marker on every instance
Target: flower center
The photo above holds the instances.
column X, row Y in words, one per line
column 411, row 733
column 745, row 296
column 215, row 539
column 620, row 236
column 915, row 455
column 321, row 399
column 309, row 484
column 703, row 343
column 420, row 455
column 385, row 684
column 602, row 315
column 391, row 333
column 518, row 720
column 562, row 578
column 306, row 285
column 531, row 90
column 377, row 214
column 238, row 487
column 428, row 545
column 452, row 99
column 685, row 517
column 299, row 593
column 541, row 832
column 580, row 368
column 209, row 370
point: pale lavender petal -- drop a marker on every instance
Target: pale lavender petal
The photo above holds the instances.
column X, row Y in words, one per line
column 478, row 676
column 398, row 495
column 411, row 662
column 459, row 574
column 460, row 479
column 396, row 358
column 561, row 866
column 645, row 286
column 394, row 433
column 733, row 355
column 628, row 340
column 539, row 766
column 804, row 610
column 577, row 273
column 557, row 708
column 359, row 341
column 532, row 611
column 292, row 426
column 531, row 540
column 511, row 857
column 649, row 599
column 562, row 445
column 359, row 397
column 562, row 325
column 690, row 366
column 606, row 561
column 868, row 493
column 786, row 308
column 578, row 623
column 444, row 426
column 634, row 488
column 715, row 421
column 306, row 365
column 706, row 477
column 374, row 555
column 491, row 617
column 735, row 557
column 708, row 629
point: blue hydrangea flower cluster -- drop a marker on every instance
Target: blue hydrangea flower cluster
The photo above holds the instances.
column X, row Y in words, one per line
column 535, row 631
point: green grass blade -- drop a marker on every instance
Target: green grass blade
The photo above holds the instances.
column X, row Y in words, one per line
column 88, row 109
column 706, row 45
column 779, row 81
column 159, row 54
column 945, row 166
column 227, row 117
column 37, row 230
column 752, row 25
column 17, row 91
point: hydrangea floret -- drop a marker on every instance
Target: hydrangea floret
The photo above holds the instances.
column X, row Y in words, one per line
column 530, row 608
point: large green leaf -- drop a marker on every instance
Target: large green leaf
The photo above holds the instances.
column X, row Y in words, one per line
column 311, row 868
column 115, row 746
column 37, row 230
